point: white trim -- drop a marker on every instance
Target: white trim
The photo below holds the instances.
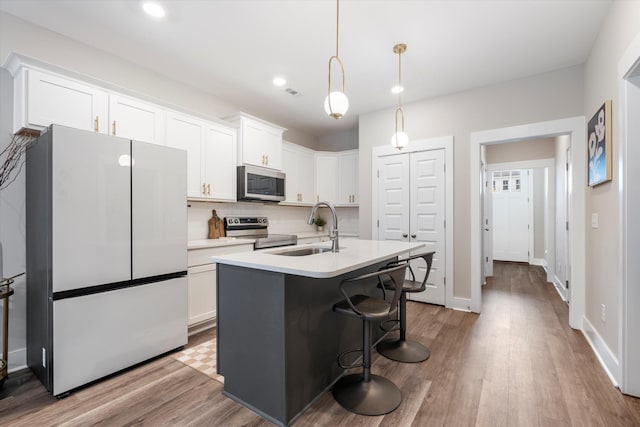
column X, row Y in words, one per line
column 460, row 304
column 560, row 287
column 539, row 261
column 629, row 252
column 604, row 354
column 446, row 143
column 575, row 126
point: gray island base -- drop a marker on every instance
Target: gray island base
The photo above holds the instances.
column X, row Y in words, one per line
column 278, row 337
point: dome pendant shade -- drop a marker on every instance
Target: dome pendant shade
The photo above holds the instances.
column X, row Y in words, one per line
column 336, row 104
column 399, row 140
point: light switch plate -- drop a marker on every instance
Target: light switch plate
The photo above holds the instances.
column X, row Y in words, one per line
column 594, row 220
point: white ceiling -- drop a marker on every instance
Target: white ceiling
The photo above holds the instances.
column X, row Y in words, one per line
column 234, row 48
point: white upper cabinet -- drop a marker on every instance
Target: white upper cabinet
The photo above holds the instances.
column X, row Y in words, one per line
column 326, row 177
column 348, row 177
column 298, row 164
column 211, row 156
column 187, row 134
column 219, row 162
column 42, row 99
column 259, row 142
column 135, row 119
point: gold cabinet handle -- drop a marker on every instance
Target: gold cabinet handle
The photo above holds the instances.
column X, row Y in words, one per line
column 208, row 189
column 96, row 124
column 267, row 160
column 114, row 127
column 204, row 188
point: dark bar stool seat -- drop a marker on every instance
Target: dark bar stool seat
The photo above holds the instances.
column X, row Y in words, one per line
column 365, row 393
column 403, row 350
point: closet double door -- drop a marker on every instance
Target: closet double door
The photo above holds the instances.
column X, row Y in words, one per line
column 411, row 208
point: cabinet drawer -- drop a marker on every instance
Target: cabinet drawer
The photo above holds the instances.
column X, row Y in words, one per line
column 203, row 256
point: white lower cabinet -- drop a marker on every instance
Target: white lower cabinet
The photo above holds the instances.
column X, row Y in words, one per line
column 201, row 279
column 202, row 293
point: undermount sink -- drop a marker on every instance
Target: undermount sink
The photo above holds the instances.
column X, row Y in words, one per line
column 302, row 251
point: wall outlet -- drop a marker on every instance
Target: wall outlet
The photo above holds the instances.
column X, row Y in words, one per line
column 594, row 220
column 603, row 313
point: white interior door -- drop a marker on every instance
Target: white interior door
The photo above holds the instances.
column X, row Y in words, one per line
column 393, row 198
column 427, row 220
column 566, row 229
column 511, row 215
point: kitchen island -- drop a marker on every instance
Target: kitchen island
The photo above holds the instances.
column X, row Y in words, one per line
column 278, row 337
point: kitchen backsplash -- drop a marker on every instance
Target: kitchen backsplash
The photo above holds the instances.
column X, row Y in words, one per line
column 282, row 219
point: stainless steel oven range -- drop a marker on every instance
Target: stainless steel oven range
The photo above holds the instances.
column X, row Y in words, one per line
column 256, row 227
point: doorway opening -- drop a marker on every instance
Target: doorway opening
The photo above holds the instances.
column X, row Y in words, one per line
column 574, row 128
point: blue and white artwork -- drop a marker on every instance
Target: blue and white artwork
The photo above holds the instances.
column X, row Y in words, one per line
column 599, row 145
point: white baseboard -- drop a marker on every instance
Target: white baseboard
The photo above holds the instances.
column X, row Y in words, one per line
column 539, row 261
column 463, row 304
column 562, row 291
column 17, row 360
column 604, row 354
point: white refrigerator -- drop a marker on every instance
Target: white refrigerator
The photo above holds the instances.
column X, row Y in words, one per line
column 106, row 255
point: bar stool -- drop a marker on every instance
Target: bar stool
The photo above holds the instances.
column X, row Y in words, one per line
column 365, row 393
column 403, row 350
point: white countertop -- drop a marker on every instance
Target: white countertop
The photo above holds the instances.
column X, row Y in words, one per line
column 354, row 254
column 232, row 241
column 222, row 241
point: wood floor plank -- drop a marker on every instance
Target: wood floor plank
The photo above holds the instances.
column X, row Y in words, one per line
column 517, row 364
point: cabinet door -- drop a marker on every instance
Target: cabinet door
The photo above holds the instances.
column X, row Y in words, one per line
column 306, row 176
column 187, row 134
column 261, row 145
column 219, row 162
column 136, row 120
column 326, row 170
column 51, row 99
column 347, row 178
column 290, row 167
column 202, row 293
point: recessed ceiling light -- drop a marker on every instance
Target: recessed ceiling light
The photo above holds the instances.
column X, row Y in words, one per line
column 279, row 81
column 154, row 9
column 397, row 89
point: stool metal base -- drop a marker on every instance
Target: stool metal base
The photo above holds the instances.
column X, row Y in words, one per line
column 378, row 396
column 404, row 351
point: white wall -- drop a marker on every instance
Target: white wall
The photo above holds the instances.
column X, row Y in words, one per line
column 601, row 83
column 539, row 209
column 520, row 151
column 339, row 141
column 539, row 98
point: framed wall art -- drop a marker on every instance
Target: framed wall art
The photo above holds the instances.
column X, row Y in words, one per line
column 599, row 145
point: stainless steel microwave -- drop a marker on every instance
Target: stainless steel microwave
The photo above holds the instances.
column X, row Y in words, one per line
column 258, row 184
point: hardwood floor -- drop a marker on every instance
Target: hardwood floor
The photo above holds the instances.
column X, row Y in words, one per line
column 516, row 364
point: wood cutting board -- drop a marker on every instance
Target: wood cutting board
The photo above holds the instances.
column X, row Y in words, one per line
column 216, row 226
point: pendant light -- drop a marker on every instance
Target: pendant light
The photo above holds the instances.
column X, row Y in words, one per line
column 399, row 139
column 336, row 103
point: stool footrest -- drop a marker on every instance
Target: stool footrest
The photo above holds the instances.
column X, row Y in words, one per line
column 353, row 365
column 395, row 327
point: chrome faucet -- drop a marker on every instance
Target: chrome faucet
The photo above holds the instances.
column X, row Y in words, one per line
column 333, row 231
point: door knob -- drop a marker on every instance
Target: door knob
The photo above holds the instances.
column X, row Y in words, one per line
column 404, row 235
column 413, row 236
column 486, row 229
